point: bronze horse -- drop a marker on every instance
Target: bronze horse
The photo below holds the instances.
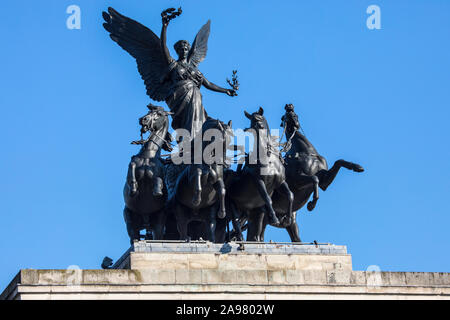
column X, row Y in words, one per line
column 306, row 171
column 200, row 191
column 144, row 191
column 262, row 174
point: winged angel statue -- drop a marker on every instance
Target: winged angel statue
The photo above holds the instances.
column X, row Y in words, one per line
column 177, row 82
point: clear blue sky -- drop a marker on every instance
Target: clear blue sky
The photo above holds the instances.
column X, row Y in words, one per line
column 70, row 100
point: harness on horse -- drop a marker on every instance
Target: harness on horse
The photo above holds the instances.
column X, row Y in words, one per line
column 142, row 141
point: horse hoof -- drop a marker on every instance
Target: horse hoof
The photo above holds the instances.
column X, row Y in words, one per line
column 222, row 214
column 133, row 188
column 274, row 221
column 133, row 193
column 158, row 194
column 311, row 206
column 358, row 168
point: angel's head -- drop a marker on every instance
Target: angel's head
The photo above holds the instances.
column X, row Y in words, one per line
column 182, row 48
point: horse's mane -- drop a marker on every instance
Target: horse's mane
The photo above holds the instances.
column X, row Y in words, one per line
column 298, row 139
column 271, row 141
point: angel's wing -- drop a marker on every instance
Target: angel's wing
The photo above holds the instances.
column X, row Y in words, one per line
column 198, row 51
column 140, row 42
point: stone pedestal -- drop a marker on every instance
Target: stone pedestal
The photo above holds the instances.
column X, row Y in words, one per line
column 202, row 270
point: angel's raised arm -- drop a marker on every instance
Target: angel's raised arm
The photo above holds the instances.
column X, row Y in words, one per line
column 164, row 48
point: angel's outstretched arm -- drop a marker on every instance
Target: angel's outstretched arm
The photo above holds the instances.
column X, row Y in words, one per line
column 213, row 87
column 166, row 53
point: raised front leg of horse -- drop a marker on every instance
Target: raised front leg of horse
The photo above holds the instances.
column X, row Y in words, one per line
column 326, row 177
column 268, row 201
column 131, row 179
column 157, row 187
column 306, row 182
column 220, row 189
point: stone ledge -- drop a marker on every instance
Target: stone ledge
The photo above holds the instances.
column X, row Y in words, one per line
column 224, row 262
column 237, row 248
column 244, row 277
column 227, row 291
column 200, row 270
column 179, row 255
column 216, row 284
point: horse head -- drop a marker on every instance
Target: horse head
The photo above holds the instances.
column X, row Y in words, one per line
column 260, row 129
column 257, row 120
column 219, row 133
column 156, row 121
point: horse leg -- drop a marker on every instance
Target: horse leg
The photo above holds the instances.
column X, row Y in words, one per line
column 158, row 225
column 132, row 225
column 170, row 226
column 221, row 230
column 305, row 181
column 211, row 221
column 263, row 230
column 293, row 231
column 196, row 230
column 312, row 204
column 197, row 187
column 284, row 188
column 326, row 177
column 131, row 179
column 268, row 201
column 235, row 220
column 255, row 224
column 157, row 187
column 182, row 222
column 220, row 188
column 149, row 234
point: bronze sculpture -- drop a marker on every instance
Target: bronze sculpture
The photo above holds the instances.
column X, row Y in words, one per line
column 144, row 192
column 257, row 181
column 200, row 189
column 177, row 82
column 306, row 172
column 164, row 196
